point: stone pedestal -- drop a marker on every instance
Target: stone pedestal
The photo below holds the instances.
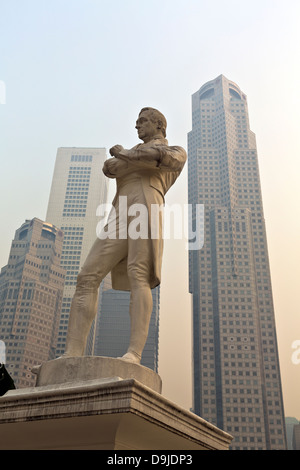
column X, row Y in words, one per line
column 113, row 413
column 80, row 369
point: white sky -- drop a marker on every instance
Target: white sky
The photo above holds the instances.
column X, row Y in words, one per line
column 77, row 72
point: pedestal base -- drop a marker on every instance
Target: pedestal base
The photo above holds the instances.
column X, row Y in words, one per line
column 116, row 415
column 80, row 369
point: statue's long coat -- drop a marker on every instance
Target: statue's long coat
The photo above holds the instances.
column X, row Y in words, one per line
column 156, row 180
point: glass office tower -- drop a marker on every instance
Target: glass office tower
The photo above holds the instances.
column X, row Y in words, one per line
column 113, row 328
column 236, row 373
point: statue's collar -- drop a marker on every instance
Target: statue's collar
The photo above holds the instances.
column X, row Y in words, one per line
column 156, row 140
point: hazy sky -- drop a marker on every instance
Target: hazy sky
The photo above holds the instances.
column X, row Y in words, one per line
column 77, row 72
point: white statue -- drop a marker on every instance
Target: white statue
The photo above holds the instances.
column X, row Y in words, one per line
column 143, row 175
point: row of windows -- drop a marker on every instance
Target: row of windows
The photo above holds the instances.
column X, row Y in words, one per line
column 74, row 213
column 72, row 229
column 81, row 158
column 77, row 197
column 79, row 170
column 82, row 204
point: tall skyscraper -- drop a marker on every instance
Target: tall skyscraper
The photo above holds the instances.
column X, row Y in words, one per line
column 78, row 188
column 113, row 329
column 31, row 288
column 236, row 373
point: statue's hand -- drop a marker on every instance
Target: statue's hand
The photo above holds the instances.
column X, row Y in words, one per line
column 115, row 150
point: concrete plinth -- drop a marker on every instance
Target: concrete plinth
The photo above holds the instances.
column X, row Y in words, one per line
column 112, row 413
column 80, row 369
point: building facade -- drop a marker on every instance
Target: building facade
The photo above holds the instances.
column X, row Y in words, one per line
column 31, row 288
column 289, row 426
column 236, row 374
column 78, row 188
column 296, row 437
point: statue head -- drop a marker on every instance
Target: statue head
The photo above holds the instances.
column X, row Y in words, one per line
column 151, row 123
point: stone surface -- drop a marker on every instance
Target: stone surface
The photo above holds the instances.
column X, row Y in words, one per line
column 80, row 369
column 133, row 255
column 112, row 415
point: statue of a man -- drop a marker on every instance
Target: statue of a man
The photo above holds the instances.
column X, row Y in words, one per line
column 143, row 174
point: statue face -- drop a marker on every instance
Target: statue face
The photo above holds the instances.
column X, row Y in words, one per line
column 146, row 128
